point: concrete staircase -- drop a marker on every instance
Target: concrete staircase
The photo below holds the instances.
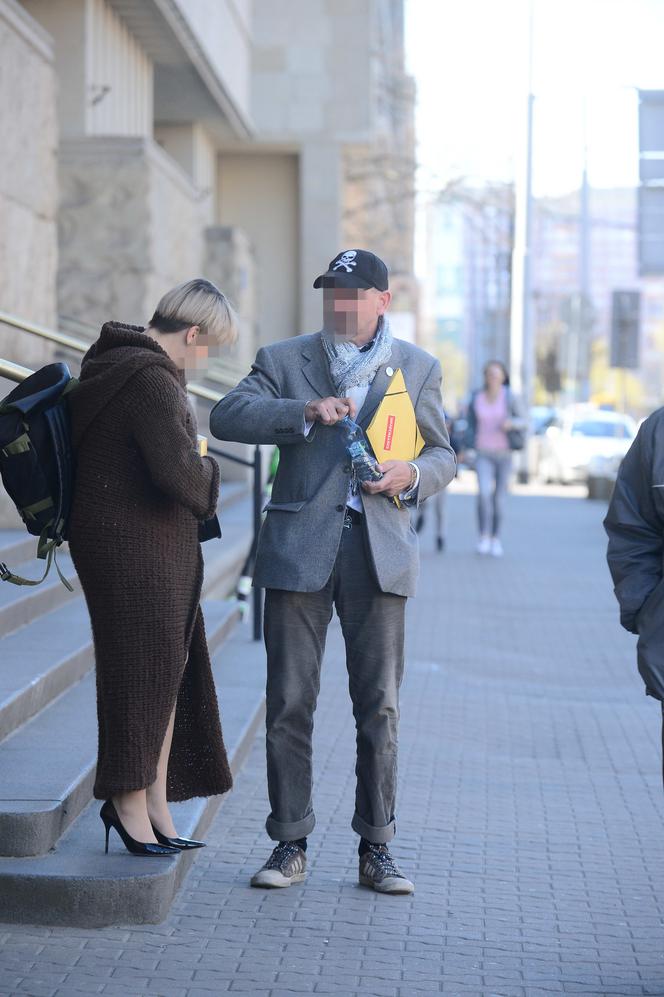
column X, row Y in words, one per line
column 52, row 866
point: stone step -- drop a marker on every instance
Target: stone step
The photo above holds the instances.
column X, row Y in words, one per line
column 237, row 534
column 20, row 604
column 47, row 766
column 50, row 652
column 17, row 546
column 231, row 492
column 77, row 884
column 41, row 660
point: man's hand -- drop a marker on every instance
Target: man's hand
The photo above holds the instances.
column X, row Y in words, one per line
column 397, row 476
column 329, row 411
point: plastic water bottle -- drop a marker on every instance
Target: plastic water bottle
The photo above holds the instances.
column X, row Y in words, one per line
column 365, row 465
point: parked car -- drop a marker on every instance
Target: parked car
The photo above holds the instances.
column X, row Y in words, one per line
column 602, row 474
column 540, row 418
column 579, row 435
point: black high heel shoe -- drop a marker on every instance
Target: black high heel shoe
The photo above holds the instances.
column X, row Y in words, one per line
column 109, row 816
column 183, row 844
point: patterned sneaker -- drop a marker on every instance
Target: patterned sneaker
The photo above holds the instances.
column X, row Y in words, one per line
column 379, row 871
column 286, row 865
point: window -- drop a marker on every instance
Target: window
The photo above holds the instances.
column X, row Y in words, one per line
column 602, row 427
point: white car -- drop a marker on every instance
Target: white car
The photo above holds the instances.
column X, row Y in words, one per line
column 578, row 437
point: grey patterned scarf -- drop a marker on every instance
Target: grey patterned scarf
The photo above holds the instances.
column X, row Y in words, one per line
column 349, row 366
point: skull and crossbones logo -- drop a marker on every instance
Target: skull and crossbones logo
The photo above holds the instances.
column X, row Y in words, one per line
column 347, row 261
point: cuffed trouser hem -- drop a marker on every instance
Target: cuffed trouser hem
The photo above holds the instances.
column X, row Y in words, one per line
column 280, row 831
column 376, row 835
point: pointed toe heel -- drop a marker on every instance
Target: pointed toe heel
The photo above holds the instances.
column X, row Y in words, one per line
column 182, row 844
column 109, row 816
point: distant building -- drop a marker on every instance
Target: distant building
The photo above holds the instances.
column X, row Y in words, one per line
column 247, row 141
column 243, row 139
column 466, row 294
column 612, row 265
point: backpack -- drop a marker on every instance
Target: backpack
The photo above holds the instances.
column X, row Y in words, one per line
column 36, row 460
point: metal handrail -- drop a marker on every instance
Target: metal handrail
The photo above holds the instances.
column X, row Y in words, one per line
column 82, row 346
column 52, row 335
column 13, row 371
column 17, row 373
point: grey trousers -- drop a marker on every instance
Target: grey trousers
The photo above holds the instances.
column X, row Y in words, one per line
column 296, row 625
column 493, row 475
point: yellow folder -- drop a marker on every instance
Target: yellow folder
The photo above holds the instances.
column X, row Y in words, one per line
column 393, row 432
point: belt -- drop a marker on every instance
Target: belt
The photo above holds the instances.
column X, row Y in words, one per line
column 353, row 517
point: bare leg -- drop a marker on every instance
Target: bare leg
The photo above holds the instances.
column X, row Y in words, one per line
column 133, row 812
column 140, row 809
column 157, row 807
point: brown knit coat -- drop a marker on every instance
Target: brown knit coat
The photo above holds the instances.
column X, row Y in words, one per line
column 140, row 489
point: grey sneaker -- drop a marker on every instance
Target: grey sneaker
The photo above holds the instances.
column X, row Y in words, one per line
column 286, row 865
column 379, row 871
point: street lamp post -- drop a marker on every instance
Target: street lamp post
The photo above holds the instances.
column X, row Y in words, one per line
column 521, row 321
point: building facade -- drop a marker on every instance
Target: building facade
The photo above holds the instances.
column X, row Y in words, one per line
column 578, row 333
column 241, row 139
column 149, row 141
column 465, row 306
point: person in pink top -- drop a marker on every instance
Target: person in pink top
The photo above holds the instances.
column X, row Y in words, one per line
column 495, row 428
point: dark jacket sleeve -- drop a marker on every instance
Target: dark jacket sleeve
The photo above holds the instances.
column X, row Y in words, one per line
column 256, row 412
column 517, row 415
column 634, row 528
column 159, row 429
column 471, row 429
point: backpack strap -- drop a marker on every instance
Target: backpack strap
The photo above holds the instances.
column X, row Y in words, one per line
column 30, row 511
column 45, row 549
column 20, row 445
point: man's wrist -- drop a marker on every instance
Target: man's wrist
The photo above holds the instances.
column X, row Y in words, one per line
column 414, row 474
column 412, row 486
column 308, row 423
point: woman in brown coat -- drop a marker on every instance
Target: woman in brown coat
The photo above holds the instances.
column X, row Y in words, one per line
column 140, row 492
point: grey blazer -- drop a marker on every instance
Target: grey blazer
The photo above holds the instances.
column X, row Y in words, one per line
column 300, row 537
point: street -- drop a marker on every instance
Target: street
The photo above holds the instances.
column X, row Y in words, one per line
column 530, row 808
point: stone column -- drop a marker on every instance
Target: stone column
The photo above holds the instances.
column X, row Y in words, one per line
column 320, row 223
column 28, row 182
column 129, row 229
column 28, row 195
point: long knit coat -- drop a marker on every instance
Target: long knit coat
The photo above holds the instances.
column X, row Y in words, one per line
column 140, row 490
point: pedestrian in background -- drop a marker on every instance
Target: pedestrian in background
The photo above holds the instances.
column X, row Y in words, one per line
column 142, row 496
column 327, row 543
column 496, row 427
column 437, row 502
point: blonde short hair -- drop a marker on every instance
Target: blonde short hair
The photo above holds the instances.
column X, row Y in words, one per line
column 197, row 302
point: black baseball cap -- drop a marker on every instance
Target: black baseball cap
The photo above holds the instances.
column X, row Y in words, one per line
column 355, row 268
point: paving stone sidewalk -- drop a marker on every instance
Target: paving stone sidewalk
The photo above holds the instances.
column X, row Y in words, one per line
column 530, row 811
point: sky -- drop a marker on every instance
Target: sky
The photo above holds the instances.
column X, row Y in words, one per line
column 470, row 62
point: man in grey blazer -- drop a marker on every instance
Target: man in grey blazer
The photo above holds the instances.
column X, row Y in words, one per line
column 328, row 542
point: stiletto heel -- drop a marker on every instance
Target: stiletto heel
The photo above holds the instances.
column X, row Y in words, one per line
column 183, row 844
column 109, row 816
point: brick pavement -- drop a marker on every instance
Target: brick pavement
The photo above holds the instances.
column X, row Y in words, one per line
column 530, row 812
